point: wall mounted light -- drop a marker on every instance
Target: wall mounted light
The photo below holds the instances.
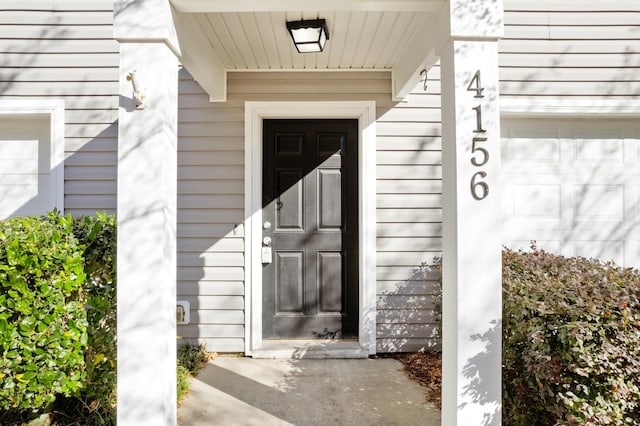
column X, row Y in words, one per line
column 310, row 35
column 138, row 91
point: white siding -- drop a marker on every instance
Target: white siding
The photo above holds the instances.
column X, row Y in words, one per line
column 570, row 48
column 210, row 217
column 409, row 215
column 64, row 50
column 551, row 49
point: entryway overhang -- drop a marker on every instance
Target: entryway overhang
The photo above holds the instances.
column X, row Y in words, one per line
column 212, row 38
column 217, row 37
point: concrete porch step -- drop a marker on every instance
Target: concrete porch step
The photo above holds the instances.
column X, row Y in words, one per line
column 311, row 349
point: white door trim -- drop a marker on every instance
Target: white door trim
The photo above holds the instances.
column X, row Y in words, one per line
column 365, row 113
column 54, row 109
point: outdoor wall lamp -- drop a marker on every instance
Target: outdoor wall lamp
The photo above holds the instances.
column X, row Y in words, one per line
column 138, row 92
column 310, row 35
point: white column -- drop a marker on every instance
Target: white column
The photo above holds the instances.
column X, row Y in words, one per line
column 147, row 203
column 472, row 287
column 147, row 165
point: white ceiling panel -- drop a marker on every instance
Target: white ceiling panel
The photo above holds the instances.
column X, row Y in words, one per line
column 357, row 39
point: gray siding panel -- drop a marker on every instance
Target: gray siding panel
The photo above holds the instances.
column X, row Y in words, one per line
column 554, row 49
column 211, row 194
column 210, row 218
column 65, row 50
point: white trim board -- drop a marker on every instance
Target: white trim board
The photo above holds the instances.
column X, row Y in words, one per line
column 365, row 113
column 527, row 106
column 54, row 109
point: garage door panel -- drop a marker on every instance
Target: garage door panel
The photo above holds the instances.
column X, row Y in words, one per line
column 28, row 196
column 598, row 202
column 551, row 246
column 578, row 194
column 19, row 156
column 604, row 250
column 536, row 201
column 599, row 150
column 25, row 166
column 531, row 150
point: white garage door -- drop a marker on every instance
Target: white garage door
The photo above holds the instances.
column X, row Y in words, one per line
column 26, row 183
column 573, row 186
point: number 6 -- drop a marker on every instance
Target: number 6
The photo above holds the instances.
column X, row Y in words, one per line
column 481, row 187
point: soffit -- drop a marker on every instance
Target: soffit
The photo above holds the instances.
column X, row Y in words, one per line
column 357, row 39
column 217, row 36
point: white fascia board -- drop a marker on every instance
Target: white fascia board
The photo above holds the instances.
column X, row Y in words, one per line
column 420, row 53
column 213, row 6
column 199, row 57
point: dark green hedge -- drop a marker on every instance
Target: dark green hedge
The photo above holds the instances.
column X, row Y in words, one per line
column 57, row 312
column 571, row 341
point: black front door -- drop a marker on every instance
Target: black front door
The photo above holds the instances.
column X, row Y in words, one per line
column 310, row 214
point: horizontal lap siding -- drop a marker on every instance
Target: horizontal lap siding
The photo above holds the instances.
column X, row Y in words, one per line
column 211, row 194
column 409, row 221
column 573, row 49
column 64, row 50
column 210, row 218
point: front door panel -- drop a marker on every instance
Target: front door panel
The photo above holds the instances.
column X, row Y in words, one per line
column 310, row 212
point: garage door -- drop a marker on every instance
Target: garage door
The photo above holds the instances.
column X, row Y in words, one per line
column 573, row 186
column 25, row 166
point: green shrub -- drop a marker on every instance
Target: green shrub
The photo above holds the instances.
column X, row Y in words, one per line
column 190, row 361
column 89, row 244
column 97, row 236
column 571, row 341
column 42, row 318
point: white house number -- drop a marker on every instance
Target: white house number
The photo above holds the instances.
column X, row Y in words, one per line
column 479, row 154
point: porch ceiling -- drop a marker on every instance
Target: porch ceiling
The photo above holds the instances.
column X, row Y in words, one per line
column 217, row 36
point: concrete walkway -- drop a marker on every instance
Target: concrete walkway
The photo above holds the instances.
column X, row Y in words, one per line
column 244, row 391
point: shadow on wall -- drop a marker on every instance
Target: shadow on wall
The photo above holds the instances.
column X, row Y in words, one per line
column 478, row 371
column 410, row 311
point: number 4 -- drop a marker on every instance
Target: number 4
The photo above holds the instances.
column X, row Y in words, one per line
column 475, row 85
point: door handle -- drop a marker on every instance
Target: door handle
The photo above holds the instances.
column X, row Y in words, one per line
column 267, row 253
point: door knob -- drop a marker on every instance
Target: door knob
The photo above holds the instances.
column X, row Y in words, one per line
column 266, row 225
column 266, row 241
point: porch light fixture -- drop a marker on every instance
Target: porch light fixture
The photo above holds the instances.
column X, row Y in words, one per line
column 138, row 91
column 309, row 36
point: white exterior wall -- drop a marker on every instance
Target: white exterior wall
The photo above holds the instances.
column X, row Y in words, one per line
column 68, row 53
column 570, row 48
column 210, row 215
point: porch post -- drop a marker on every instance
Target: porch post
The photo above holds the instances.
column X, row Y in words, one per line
column 472, row 295
column 147, row 168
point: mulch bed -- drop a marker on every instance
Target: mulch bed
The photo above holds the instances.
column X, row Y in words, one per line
column 426, row 369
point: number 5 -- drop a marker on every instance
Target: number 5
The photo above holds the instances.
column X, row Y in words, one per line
column 483, row 151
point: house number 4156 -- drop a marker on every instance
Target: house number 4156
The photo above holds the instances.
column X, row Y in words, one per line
column 479, row 154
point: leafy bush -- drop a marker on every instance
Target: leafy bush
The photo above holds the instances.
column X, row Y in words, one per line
column 36, row 253
column 571, row 341
column 97, row 236
column 42, row 318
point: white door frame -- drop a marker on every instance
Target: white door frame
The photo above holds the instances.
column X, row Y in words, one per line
column 365, row 113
